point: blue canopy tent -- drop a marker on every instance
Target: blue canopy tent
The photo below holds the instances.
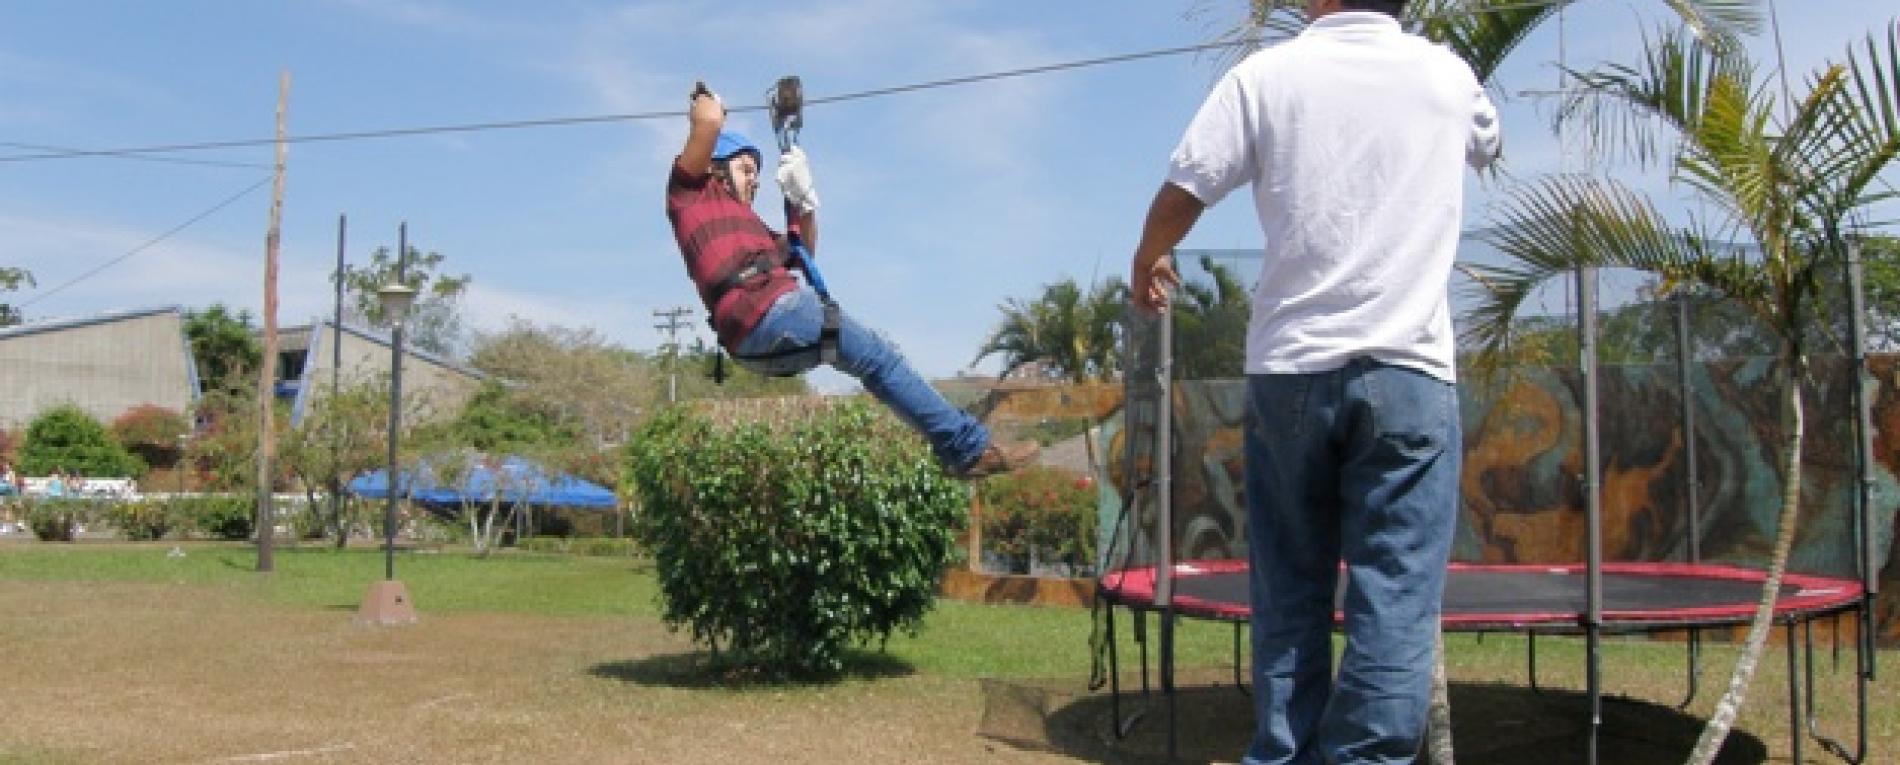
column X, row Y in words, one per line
column 518, row 481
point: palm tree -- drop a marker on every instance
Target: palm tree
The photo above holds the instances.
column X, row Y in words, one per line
column 1486, row 32
column 1786, row 187
column 1072, row 333
column 1210, row 324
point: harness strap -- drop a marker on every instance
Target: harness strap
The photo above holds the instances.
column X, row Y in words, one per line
column 745, row 268
column 828, row 335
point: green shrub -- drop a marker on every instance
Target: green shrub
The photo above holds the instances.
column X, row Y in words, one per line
column 55, row 519
column 67, row 439
column 784, row 543
column 142, row 520
column 1042, row 512
column 224, row 516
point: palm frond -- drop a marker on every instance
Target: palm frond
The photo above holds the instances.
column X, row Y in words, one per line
column 1554, row 226
column 1874, row 89
column 1482, row 32
column 1624, row 108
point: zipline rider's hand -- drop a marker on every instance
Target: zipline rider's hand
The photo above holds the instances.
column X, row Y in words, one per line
column 705, row 117
column 794, row 180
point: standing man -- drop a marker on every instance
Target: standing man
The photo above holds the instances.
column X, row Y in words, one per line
column 1354, row 136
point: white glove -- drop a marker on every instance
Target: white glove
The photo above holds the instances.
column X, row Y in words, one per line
column 794, row 180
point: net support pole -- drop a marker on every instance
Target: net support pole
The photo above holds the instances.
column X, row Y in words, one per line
column 1864, row 436
column 1692, row 482
column 1164, row 504
column 1593, row 497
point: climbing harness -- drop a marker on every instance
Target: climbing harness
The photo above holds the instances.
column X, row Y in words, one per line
column 786, row 103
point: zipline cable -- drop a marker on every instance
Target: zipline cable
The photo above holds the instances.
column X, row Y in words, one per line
column 603, row 118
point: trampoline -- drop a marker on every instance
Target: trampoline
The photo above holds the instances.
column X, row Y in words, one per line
column 1637, row 597
column 1175, row 531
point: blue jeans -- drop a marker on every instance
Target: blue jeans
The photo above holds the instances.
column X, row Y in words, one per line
column 794, row 321
column 1358, row 465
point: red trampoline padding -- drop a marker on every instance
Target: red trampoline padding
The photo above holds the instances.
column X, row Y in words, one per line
column 1525, row 596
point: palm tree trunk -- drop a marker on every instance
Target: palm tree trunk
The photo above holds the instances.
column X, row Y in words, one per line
column 1717, row 729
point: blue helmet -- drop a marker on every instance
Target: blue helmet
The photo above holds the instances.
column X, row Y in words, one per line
column 731, row 144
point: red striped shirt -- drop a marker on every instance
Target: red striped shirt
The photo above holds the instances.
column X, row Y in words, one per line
column 718, row 234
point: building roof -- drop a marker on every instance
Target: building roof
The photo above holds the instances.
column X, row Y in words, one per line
column 109, row 317
column 320, row 328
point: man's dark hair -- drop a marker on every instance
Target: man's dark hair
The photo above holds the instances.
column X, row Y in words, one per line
column 1389, row 7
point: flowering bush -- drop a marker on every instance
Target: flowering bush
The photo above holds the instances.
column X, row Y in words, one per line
column 1043, row 512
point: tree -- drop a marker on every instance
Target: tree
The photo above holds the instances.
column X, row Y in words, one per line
column 225, row 451
column 434, row 323
column 12, row 279
column 572, row 381
column 1075, row 335
column 1482, row 32
column 66, row 439
column 151, row 432
column 1210, row 325
column 497, row 419
column 700, row 367
column 1881, row 254
column 224, row 345
column 1791, row 177
column 341, row 435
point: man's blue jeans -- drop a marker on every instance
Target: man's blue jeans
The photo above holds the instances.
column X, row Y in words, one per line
column 794, row 321
column 1358, row 465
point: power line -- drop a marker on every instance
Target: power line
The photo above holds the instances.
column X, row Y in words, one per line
column 149, row 243
column 601, row 118
column 140, row 157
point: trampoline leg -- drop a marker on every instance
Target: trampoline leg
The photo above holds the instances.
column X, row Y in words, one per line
column 1167, row 676
column 1114, row 680
column 1530, row 655
column 1695, row 665
column 1141, row 640
column 1863, row 673
column 1239, row 684
column 1593, row 679
column 1797, row 722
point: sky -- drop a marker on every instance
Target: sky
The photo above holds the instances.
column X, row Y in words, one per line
column 938, row 205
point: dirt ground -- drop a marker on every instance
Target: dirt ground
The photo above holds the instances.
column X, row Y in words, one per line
column 161, row 674
column 119, row 673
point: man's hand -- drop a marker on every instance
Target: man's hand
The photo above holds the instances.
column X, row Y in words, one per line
column 1150, row 287
column 706, row 108
column 794, row 180
column 1151, row 277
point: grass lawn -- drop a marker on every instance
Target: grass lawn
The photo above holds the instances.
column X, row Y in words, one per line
column 118, row 652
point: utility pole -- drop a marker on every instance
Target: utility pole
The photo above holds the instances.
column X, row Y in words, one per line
column 267, row 375
column 675, row 321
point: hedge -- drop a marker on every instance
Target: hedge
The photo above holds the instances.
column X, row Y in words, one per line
column 780, row 542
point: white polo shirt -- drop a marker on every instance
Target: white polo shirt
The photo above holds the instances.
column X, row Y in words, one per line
column 1355, row 136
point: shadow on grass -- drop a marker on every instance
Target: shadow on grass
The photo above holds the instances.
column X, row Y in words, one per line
column 1492, row 724
column 695, row 670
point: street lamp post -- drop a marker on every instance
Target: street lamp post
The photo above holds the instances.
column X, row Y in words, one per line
column 388, row 601
column 396, row 298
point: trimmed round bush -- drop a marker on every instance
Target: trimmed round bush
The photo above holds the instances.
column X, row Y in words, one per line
column 65, row 438
column 783, row 539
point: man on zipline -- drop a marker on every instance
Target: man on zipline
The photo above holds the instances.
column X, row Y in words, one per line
column 768, row 317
